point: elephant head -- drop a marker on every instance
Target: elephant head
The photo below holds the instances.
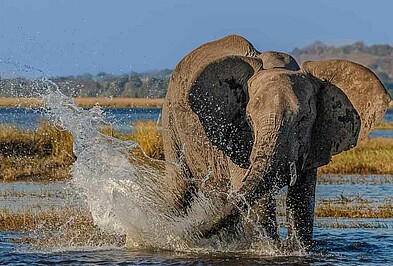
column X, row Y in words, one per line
column 243, row 121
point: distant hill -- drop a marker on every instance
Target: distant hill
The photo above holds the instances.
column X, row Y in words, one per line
column 379, row 57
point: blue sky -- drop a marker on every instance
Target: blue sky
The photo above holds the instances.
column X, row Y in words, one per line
column 119, row 36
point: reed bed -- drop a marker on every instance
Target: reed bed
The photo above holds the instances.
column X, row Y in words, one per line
column 76, row 224
column 371, row 156
column 363, row 210
column 47, row 153
column 149, row 138
column 339, row 223
column 384, row 125
column 52, row 229
column 354, row 179
column 146, row 133
column 88, row 102
column 354, row 207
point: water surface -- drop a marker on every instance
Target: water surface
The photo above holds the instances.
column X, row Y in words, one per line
column 353, row 244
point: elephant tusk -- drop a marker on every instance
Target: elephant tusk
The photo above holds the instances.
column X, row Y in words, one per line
column 293, row 173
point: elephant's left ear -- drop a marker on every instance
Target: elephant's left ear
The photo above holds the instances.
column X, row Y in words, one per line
column 351, row 101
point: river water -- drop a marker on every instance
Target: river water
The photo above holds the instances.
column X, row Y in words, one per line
column 353, row 244
column 120, row 118
column 129, row 199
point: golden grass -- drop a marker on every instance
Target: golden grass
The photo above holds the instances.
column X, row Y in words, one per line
column 48, row 229
column 354, row 179
column 45, row 153
column 120, row 102
column 149, row 139
column 20, row 102
column 346, row 207
column 363, row 210
column 371, row 156
column 339, row 223
column 116, row 102
column 146, row 134
column 385, row 126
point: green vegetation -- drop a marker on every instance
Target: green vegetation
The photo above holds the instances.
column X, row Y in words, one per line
column 133, row 85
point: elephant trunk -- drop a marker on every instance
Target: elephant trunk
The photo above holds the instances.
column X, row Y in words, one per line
column 270, row 112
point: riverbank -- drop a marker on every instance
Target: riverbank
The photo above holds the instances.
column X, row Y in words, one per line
column 88, row 102
column 47, row 153
column 371, row 156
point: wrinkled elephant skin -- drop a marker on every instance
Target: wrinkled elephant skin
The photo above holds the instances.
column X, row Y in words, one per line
column 240, row 121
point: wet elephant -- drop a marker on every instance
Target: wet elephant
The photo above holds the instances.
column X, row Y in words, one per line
column 245, row 123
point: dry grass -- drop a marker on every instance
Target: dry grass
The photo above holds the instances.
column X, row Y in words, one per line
column 372, row 156
column 385, row 126
column 88, row 102
column 354, row 179
column 338, row 223
column 45, row 153
column 149, row 139
column 20, row 102
column 364, row 210
column 120, row 102
column 346, row 207
column 146, row 133
column 57, row 228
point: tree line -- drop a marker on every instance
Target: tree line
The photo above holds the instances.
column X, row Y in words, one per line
column 378, row 57
column 133, row 85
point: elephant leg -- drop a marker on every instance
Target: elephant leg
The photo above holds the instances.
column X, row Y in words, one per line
column 263, row 216
column 300, row 208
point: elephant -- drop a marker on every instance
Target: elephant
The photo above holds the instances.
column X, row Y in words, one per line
column 240, row 122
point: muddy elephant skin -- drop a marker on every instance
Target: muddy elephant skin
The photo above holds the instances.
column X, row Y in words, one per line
column 248, row 123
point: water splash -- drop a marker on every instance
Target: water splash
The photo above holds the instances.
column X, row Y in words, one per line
column 127, row 196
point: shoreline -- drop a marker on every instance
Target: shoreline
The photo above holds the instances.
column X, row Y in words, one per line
column 88, row 102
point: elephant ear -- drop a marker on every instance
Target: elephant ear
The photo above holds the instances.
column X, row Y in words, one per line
column 351, row 101
column 219, row 96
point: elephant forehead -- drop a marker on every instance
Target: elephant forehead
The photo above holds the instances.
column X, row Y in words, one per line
column 272, row 59
column 283, row 88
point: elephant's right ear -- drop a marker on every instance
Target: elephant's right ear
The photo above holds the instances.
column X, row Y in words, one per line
column 219, row 96
column 351, row 101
